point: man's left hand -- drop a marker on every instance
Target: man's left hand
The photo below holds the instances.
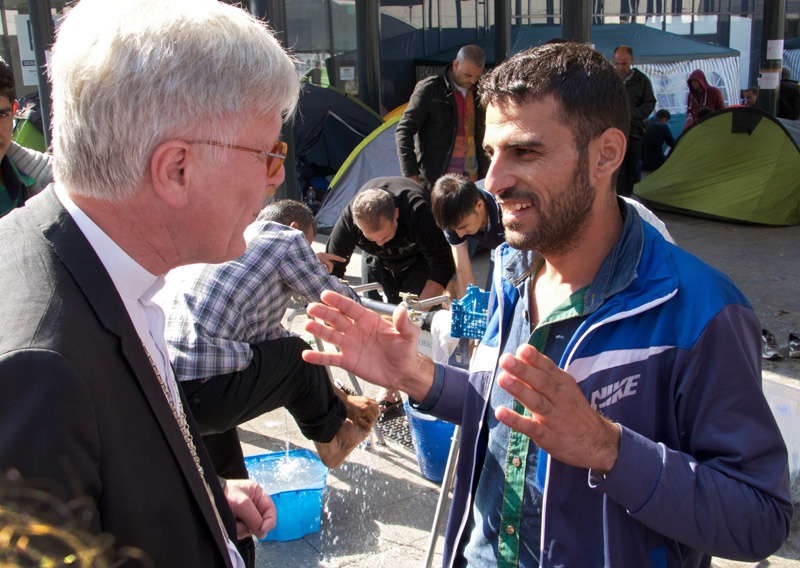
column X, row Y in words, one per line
column 562, row 422
column 252, row 507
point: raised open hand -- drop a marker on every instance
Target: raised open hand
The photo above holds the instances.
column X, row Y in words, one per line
column 381, row 352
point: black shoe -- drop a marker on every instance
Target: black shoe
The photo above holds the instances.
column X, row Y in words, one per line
column 794, row 345
column 769, row 346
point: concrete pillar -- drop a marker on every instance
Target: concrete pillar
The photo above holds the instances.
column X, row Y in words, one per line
column 274, row 13
column 502, row 30
column 576, row 21
column 771, row 55
column 368, row 32
column 42, row 35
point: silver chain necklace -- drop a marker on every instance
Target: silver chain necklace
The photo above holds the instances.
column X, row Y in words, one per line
column 180, row 418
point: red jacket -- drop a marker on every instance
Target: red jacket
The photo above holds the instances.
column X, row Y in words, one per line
column 710, row 97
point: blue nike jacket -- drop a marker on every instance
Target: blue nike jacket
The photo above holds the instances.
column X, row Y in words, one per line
column 671, row 351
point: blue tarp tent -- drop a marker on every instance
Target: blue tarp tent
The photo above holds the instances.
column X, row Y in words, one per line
column 666, row 58
column 329, row 124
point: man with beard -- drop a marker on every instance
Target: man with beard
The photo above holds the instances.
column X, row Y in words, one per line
column 441, row 130
column 606, row 419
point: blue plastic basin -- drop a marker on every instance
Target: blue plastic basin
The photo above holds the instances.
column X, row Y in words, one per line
column 299, row 506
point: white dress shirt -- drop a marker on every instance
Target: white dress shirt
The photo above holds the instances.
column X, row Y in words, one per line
column 136, row 287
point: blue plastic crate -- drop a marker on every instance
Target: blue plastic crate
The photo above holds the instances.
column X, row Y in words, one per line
column 469, row 314
column 299, row 506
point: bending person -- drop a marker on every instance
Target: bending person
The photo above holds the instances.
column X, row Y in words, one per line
column 236, row 361
column 390, row 219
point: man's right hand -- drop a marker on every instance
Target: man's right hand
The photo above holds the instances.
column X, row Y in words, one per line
column 370, row 347
column 415, row 178
column 328, row 259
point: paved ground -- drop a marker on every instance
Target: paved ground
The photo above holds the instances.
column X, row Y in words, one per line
column 379, row 509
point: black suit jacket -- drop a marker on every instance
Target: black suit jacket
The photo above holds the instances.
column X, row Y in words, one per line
column 80, row 405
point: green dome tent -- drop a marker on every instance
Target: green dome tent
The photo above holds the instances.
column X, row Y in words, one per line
column 738, row 164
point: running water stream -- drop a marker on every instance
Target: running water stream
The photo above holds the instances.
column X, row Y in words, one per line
column 291, row 472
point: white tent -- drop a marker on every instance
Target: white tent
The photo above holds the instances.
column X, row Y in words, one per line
column 791, row 58
column 669, row 80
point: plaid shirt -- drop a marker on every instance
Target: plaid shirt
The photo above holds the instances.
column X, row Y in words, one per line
column 216, row 311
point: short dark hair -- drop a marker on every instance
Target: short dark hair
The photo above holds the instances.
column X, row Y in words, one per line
column 472, row 53
column 753, row 90
column 7, row 87
column 288, row 211
column 589, row 91
column 663, row 113
column 705, row 111
column 371, row 207
column 626, row 48
column 453, row 197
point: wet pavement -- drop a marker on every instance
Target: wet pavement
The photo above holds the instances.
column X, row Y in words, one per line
column 378, row 509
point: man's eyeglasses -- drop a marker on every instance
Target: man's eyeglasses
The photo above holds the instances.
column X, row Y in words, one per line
column 275, row 157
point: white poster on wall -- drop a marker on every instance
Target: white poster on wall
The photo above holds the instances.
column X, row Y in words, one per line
column 774, row 49
column 27, row 56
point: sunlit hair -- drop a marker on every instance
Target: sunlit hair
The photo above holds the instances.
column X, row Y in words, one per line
column 288, row 211
column 473, row 54
column 453, row 198
column 129, row 75
column 371, row 207
column 589, row 91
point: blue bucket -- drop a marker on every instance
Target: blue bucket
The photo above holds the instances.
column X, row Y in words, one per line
column 432, row 438
column 298, row 500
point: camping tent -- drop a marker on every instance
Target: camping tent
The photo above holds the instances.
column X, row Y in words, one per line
column 375, row 157
column 666, row 58
column 737, row 164
column 328, row 125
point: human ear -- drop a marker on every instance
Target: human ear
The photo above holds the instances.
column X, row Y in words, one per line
column 169, row 170
column 606, row 153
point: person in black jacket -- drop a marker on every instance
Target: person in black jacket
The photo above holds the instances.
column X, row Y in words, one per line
column 788, row 96
column 445, row 114
column 390, row 219
column 89, row 401
column 642, row 102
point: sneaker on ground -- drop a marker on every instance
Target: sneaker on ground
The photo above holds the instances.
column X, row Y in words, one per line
column 794, row 345
column 769, row 346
